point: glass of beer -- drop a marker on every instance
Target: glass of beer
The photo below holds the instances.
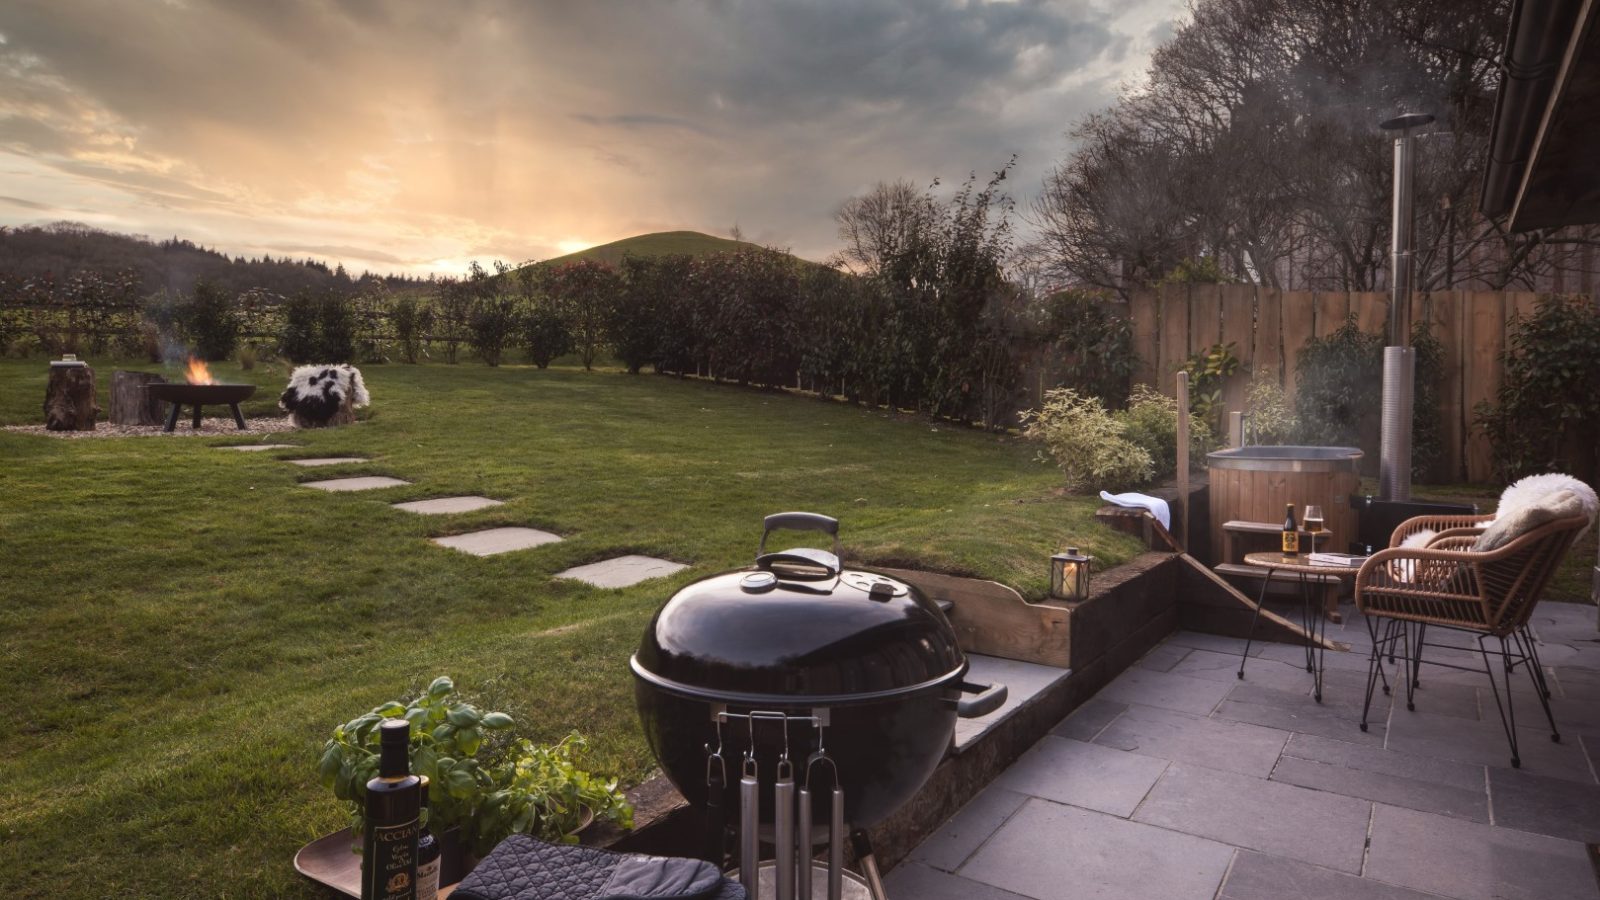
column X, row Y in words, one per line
column 1313, row 524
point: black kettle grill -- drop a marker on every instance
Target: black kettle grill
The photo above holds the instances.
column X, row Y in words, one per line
column 800, row 688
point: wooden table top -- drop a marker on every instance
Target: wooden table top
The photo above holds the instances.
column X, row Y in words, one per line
column 1300, row 563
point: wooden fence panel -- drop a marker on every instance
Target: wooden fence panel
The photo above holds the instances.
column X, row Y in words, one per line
column 1174, row 334
column 1299, row 319
column 1205, row 313
column 1442, row 311
column 1238, row 328
column 1269, row 333
column 1331, row 309
column 1143, row 315
column 1372, row 311
column 1485, row 320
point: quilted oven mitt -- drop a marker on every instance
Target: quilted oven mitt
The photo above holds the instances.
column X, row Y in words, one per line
column 523, row 868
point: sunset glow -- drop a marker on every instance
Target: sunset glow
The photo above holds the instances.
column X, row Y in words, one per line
column 406, row 136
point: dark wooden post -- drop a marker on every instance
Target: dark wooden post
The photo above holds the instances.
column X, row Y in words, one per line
column 131, row 404
column 69, row 397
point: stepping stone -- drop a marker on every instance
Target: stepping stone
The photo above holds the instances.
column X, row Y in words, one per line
column 443, row 505
column 329, row 461
column 256, row 448
column 365, row 483
column 497, row 540
column 623, row 571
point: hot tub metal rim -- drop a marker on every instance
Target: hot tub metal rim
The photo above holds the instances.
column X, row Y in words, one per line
column 1328, row 459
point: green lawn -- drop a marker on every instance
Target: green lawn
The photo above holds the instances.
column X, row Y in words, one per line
column 180, row 627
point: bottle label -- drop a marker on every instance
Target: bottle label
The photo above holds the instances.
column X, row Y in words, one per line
column 389, row 863
column 1291, row 542
column 428, row 880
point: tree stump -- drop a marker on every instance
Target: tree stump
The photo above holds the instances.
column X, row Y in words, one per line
column 131, row 404
column 344, row 415
column 69, row 398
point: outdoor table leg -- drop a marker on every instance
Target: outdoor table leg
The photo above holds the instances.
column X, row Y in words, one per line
column 1311, row 614
column 1261, row 600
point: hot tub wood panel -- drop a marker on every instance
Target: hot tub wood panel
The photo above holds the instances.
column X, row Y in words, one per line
column 1256, row 489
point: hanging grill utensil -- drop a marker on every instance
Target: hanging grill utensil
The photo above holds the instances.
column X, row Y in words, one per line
column 783, row 823
column 835, row 823
column 749, row 821
column 716, row 816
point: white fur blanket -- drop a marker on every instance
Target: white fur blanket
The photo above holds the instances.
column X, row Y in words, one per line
column 317, row 392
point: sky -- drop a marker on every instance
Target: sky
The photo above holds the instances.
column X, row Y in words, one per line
column 415, row 135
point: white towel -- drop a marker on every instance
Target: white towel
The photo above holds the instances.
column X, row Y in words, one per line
column 1157, row 506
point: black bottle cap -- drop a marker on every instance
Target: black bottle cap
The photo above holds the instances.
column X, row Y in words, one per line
column 394, row 748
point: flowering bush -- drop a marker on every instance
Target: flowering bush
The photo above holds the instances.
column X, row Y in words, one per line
column 1089, row 444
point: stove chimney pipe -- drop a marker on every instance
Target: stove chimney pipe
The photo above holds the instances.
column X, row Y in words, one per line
column 1399, row 360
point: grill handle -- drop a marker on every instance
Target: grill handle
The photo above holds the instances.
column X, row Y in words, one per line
column 799, row 521
column 990, row 698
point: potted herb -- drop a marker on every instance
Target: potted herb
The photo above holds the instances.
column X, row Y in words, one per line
column 485, row 784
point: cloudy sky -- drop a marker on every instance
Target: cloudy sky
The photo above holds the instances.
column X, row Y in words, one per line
column 414, row 135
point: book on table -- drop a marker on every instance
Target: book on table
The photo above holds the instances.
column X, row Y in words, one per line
column 1337, row 559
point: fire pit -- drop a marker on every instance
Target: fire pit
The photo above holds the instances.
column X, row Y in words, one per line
column 201, row 390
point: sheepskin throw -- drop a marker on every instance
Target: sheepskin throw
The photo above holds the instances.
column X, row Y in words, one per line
column 1522, row 519
column 324, row 395
column 1534, row 488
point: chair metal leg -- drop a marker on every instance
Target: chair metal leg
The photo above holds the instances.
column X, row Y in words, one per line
column 1374, row 666
column 1261, row 600
column 1538, row 666
column 1412, row 653
column 1416, row 662
column 1531, row 660
column 1507, row 709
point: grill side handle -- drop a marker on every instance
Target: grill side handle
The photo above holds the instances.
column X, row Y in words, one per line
column 990, row 698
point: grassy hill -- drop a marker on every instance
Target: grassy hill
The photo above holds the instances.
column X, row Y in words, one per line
column 661, row 243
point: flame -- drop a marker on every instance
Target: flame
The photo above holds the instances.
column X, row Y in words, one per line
column 197, row 373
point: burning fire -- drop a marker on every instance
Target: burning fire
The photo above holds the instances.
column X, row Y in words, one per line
column 197, row 373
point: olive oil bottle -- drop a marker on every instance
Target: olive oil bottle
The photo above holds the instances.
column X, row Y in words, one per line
column 394, row 805
column 1291, row 532
column 428, row 854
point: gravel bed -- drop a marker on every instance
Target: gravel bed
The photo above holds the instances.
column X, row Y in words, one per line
column 209, row 427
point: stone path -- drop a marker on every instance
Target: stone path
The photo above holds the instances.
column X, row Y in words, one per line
column 622, row 571
column 1180, row 781
column 363, row 483
column 440, row 506
column 497, row 540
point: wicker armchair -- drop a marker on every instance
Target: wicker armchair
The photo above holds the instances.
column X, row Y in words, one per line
column 1449, row 585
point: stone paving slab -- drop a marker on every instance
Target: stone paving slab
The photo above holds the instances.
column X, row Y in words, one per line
column 257, row 448
column 329, row 461
column 960, row 837
column 1089, row 719
column 1257, row 876
column 1163, row 657
column 1086, row 775
column 1047, row 851
column 1484, row 742
column 1470, row 861
column 623, row 571
column 1544, row 805
column 364, row 483
column 1312, row 826
column 1179, row 737
column 492, row 541
column 1196, row 640
column 1412, row 794
column 914, row 880
column 439, row 506
column 1166, row 690
column 1023, row 682
column 1338, row 716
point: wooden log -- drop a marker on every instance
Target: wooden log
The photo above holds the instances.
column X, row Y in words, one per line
column 69, row 398
column 131, row 404
column 345, row 415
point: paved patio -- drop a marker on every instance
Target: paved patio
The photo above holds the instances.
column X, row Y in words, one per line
column 1180, row 781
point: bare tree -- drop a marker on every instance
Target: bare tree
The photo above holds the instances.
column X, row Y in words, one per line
column 880, row 224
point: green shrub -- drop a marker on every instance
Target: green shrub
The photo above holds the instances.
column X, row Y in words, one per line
column 298, row 341
column 1427, row 424
column 492, row 326
column 1094, row 347
column 410, row 321
column 336, row 329
column 1272, row 418
column 1208, row 370
column 1088, row 443
column 318, row 329
column 1546, row 415
column 1151, row 423
column 210, row 321
column 1339, row 393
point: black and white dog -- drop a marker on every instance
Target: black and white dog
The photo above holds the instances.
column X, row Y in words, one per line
column 316, row 394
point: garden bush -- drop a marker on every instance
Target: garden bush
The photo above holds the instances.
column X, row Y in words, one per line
column 317, row 328
column 1338, row 395
column 209, row 321
column 585, row 291
column 1093, row 346
column 1150, row 421
column 1272, row 418
column 1088, row 443
column 1546, row 415
column 494, row 325
column 410, row 320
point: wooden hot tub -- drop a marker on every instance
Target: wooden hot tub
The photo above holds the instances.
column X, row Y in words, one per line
column 1252, row 484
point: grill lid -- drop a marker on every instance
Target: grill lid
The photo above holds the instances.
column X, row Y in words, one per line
column 777, row 632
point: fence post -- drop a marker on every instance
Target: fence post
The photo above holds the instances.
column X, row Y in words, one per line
column 1183, row 453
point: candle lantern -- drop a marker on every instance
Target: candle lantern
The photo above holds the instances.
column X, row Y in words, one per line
column 1069, row 575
